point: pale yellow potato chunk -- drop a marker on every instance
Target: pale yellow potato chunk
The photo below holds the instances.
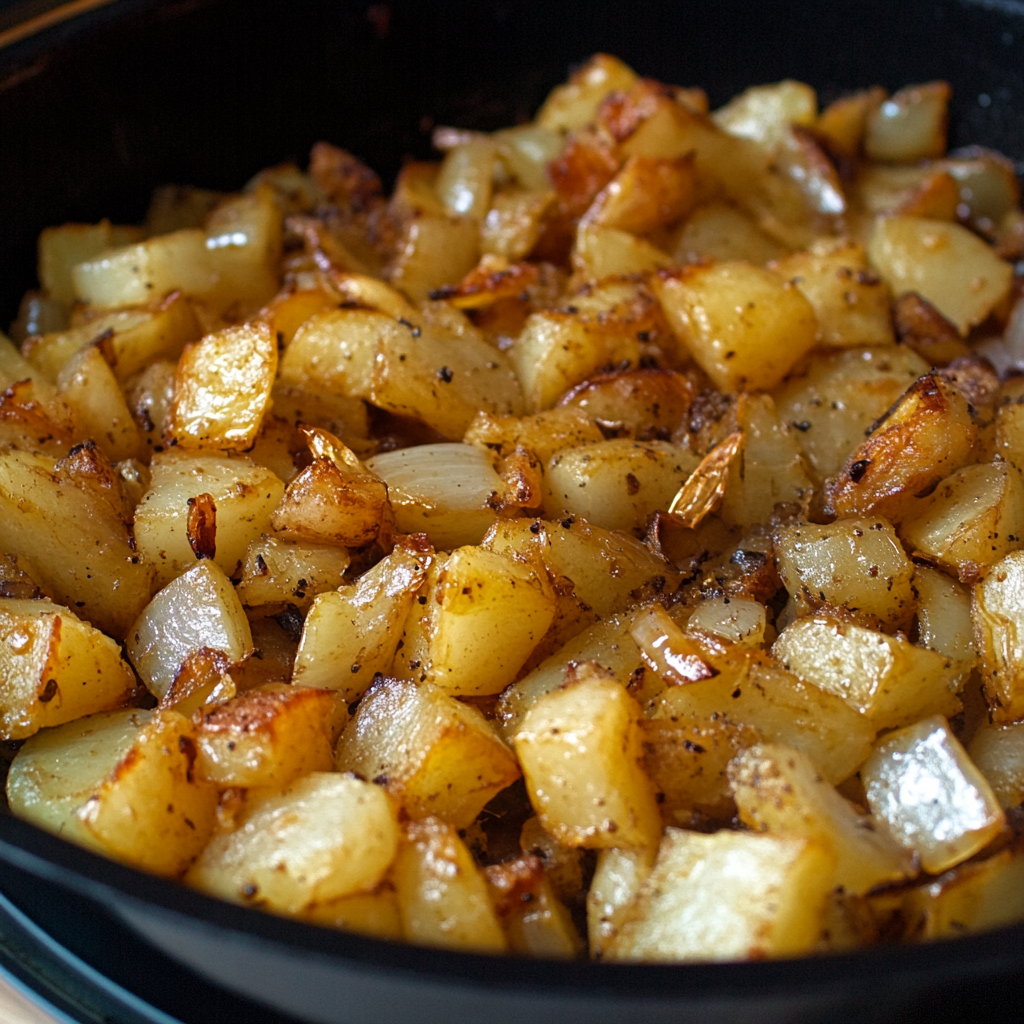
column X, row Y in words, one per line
column 999, row 630
column 281, row 572
column 850, row 302
column 514, row 221
column 59, row 517
column 616, row 882
column 762, row 113
column 972, row 520
column 366, row 913
column 483, row 617
column 351, row 634
column 55, row 668
column 998, row 753
column 609, row 252
column 435, row 250
column 199, row 609
column 617, row 483
column 244, row 496
column 841, row 396
column 442, row 896
column 853, row 563
column 119, row 783
column 727, row 896
column 222, row 388
column 435, row 755
column 745, row 327
column 267, row 737
column 581, row 754
column 910, row 125
column 325, row 837
column 946, row 264
column 944, row 617
column 886, row 678
column 935, row 802
column 779, row 791
column 62, row 248
column 720, row 232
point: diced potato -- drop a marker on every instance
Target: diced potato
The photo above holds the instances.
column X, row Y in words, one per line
column 718, row 231
column 607, row 643
column 483, row 616
column 616, row 882
column 268, row 737
column 562, row 865
column 842, row 122
column 998, row 753
column 60, row 518
column 886, row 678
column 575, row 104
column 432, row 375
column 351, row 635
column 935, row 802
column 526, row 151
column 447, row 491
column 944, row 617
column 120, row 783
column 841, row 396
column 727, row 896
column 763, row 112
column 325, row 837
column 172, row 207
column 55, row 668
column 443, row 897
column 927, row 435
column 972, row 520
column 98, row 407
column 946, row 264
column 609, row 570
column 222, row 388
column 279, row 572
column 513, row 223
column 434, row 754
column 746, row 327
column 367, row 913
column 608, row 252
column 750, row 691
column 976, row 897
column 988, row 186
column 581, row 753
column 769, row 466
column 735, row 620
column 999, row 630
column 435, row 250
column 197, row 610
column 243, row 495
column 646, row 194
column 910, row 125
column 852, row 563
column 779, row 791
column 544, row 433
column 850, row 302
column 149, row 395
column 618, row 483
column 62, row 249
column 204, row 677
column 910, row 191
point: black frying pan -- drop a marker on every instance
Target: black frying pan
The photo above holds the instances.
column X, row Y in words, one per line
column 98, row 109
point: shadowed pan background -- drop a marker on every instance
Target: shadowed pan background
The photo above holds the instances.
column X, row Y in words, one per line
column 97, row 110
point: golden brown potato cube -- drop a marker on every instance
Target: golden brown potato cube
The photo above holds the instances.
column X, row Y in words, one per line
column 751, row 691
column 999, row 630
column 543, row 433
column 120, row 783
column 616, row 882
column 55, row 668
column 351, row 635
column 281, row 572
column 927, row 435
column 886, row 678
column 646, row 194
column 581, row 751
column 727, row 896
column 998, row 753
column 842, row 121
column 242, row 493
column 616, row 484
column 485, row 614
column 574, row 105
column 932, row 798
column 434, row 754
column 972, row 520
column 222, row 388
column 851, row 303
column 325, row 837
column 853, row 563
column 267, row 737
column 443, row 898
column 763, row 112
column 869, row 381
column 199, row 609
column 944, row 617
column 744, row 326
column 535, row 922
column 944, row 263
column 910, row 191
column 514, row 222
column 59, row 517
column 910, row 125
column 434, row 250
column 718, row 231
column 779, row 791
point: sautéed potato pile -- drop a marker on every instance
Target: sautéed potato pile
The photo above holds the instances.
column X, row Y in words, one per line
column 612, row 542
